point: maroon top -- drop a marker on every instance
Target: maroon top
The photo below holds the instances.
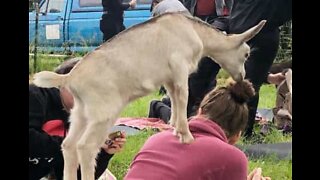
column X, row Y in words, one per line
column 205, row 7
column 208, row 157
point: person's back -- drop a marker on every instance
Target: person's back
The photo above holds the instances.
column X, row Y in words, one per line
column 216, row 128
column 48, row 125
column 264, row 46
column 169, row 6
column 208, row 157
column 246, row 14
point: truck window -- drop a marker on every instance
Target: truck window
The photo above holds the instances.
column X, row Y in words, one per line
column 140, row 1
column 144, row 1
column 94, row 3
column 90, row 3
column 52, row 6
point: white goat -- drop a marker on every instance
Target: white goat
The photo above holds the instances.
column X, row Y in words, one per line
column 162, row 51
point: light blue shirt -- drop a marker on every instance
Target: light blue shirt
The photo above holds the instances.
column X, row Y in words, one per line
column 169, row 6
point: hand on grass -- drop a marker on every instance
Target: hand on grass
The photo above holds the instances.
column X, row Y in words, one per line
column 116, row 145
column 256, row 174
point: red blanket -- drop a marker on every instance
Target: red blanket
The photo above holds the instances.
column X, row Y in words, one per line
column 142, row 123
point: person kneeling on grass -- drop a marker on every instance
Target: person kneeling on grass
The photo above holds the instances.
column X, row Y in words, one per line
column 48, row 124
column 222, row 116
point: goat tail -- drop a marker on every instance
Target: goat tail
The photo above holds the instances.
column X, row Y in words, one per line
column 48, row 79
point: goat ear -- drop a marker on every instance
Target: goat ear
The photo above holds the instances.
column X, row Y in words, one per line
column 250, row 33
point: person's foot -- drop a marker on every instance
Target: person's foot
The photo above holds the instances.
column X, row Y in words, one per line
column 160, row 110
column 152, row 112
column 166, row 101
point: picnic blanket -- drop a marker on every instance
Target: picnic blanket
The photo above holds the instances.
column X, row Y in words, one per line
column 143, row 123
column 132, row 125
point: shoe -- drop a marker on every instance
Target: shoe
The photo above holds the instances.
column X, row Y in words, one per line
column 152, row 112
column 166, row 101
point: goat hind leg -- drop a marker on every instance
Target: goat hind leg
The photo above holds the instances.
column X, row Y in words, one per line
column 94, row 136
column 88, row 148
column 69, row 144
column 170, row 88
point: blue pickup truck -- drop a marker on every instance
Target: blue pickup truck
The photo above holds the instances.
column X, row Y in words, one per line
column 73, row 25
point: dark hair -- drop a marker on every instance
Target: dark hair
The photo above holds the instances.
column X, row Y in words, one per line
column 227, row 106
column 67, row 65
column 152, row 4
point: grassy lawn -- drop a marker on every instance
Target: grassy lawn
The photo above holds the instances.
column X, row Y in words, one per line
column 271, row 166
column 276, row 169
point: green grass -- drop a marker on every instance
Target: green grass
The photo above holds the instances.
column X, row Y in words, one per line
column 267, row 96
column 274, row 136
column 121, row 161
column 139, row 108
column 44, row 63
column 276, row 169
column 272, row 167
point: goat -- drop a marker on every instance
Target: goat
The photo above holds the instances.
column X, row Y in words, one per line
column 161, row 51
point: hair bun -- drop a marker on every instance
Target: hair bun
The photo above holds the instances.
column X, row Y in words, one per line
column 241, row 91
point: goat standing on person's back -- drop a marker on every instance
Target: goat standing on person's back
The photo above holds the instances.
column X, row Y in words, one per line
column 123, row 69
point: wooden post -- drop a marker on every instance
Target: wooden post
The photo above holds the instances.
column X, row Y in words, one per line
column 36, row 37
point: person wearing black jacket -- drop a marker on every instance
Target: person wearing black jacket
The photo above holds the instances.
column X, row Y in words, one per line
column 216, row 13
column 111, row 22
column 48, row 125
column 264, row 46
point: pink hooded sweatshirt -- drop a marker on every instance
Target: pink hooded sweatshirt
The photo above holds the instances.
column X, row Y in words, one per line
column 209, row 157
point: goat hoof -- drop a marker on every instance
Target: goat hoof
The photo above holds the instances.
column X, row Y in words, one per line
column 175, row 133
column 172, row 123
column 186, row 138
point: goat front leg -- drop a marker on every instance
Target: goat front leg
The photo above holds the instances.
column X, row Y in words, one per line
column 179, row 97
column 182, row 126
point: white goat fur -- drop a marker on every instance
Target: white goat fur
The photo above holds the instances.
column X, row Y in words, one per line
column 162, row 51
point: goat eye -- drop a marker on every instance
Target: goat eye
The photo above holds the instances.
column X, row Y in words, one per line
column 246, row 55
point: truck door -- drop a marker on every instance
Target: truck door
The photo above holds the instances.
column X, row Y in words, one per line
column 137, row 15
column 51, row 24
column 84, row 22
column 83, row 25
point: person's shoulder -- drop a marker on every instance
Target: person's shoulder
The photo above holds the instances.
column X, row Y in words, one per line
column 236, row 155
column 236, row 163
column 43, row 93
column 160, row 137
column 36, row 90
column 33, row 87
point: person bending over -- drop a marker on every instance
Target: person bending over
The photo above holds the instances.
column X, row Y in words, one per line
column 221, row 117
column 48, row 125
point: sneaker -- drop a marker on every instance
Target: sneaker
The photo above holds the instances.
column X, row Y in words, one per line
column 152, row 112
column 166, row 101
